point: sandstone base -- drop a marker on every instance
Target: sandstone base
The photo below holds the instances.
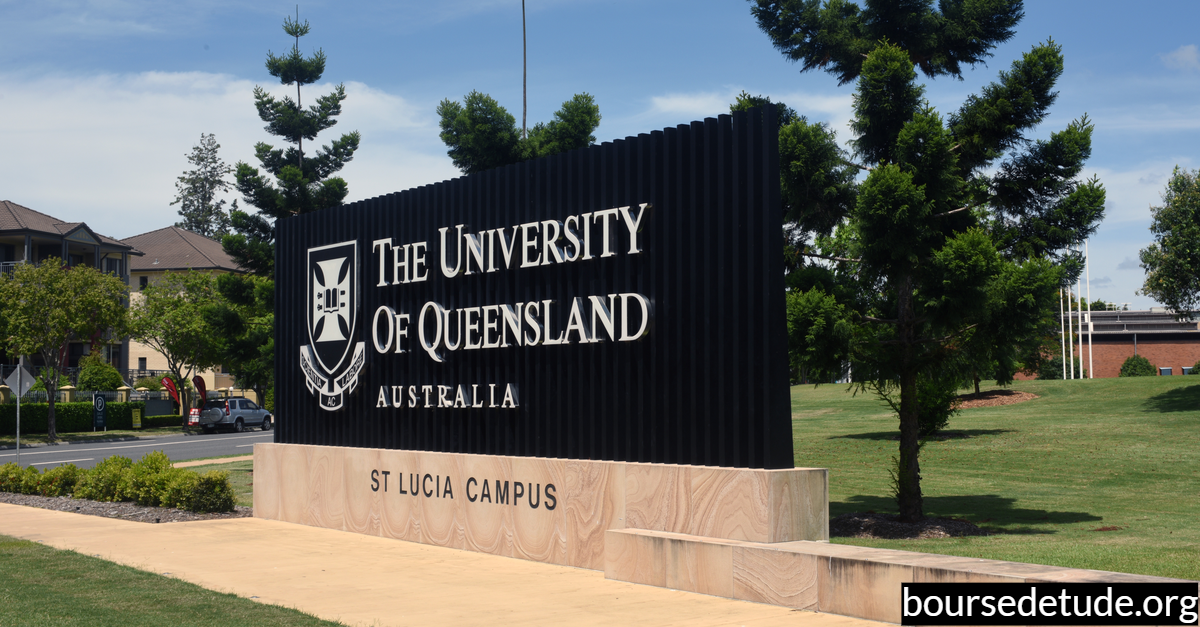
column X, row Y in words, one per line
column 547, row 510
column 755, row 535
column 834, row 578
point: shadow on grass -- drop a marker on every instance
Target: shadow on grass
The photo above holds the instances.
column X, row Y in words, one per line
column 951, row 434
column 995, row 513
column 1178, row 399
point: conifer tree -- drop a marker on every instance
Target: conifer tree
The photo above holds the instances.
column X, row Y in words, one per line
column 303, row 182
column 196, row 191
column 480, row 134
column 941, row 257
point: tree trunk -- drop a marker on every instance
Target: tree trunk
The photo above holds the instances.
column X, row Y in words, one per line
column 51, row 428
column 976, row 377
column 908, row 473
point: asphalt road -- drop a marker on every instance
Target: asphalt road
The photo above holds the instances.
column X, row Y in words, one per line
column 177, row 447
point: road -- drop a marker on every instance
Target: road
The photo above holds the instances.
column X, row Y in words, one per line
column 177, row 447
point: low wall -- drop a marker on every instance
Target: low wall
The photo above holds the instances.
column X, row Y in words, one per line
column 755, row 535
column 834, row 578
column 546, row 510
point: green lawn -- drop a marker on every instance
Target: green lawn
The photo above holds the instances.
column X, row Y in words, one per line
column 1044, row 475
column 88, row 436
column 44, row 586
column 241, row 476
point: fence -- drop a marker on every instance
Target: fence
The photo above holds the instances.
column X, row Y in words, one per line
column 71, row 375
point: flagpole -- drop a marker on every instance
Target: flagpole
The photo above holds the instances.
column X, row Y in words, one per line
column 1062, row 332
column 1087, row 264
column 1070, row 332
column 1079, row 288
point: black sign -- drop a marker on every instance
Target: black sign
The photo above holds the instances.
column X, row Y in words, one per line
column 623, row 302
column 99, row 412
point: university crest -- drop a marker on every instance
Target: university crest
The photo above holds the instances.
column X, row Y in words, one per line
column 332, row 361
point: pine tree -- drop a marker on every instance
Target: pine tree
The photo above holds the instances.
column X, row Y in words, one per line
column 941, row 257
column 480, row 134
column 303, row 182
column 196, row 191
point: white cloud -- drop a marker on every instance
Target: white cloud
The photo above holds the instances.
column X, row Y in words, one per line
column 1129, row 263
column 674, row 108
column 694, row 106
column 1130, row 193
column 107, row 149
column 1102, row 283
column 1183, row 58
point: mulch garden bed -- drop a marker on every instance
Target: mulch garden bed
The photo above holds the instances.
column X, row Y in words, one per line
column 124, row 511
column 887, row 527
column 994, row 398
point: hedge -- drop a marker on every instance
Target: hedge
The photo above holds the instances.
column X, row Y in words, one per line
column 68, row 417
column 149, row 422
column 152, row 481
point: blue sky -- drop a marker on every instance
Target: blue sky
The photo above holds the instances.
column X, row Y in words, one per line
column 103, row 99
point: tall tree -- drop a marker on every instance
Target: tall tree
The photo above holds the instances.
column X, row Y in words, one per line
column 836, row 35
column 480, row 134
column 939, row 244
column 49, row 305
column 197, row 189
column 245, row 331
column 1172, row 262
column 171, row 316
column 302, row 182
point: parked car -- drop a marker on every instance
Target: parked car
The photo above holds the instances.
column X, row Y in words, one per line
column 233, row 413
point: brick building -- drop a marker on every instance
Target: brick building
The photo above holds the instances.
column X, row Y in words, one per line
column 1155, row 335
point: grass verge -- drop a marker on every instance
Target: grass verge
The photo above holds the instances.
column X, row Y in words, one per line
column 1101, row 473
column 241, row 477
column 90, row 436
column 45, row 586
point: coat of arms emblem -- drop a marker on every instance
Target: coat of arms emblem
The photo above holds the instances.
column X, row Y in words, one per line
column 333, row 360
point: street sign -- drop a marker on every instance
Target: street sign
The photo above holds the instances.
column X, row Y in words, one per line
column 99, row 412
column 137, row 418
column 19, row 381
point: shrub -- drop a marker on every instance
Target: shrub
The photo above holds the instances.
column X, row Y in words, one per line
column 937, row 403
column 1196, row 368
column 213, row 493
column 145, row 478
column 150, row 383
column 178, row 488
column 1137, row 366
column 106, row 480
column 161, row 421
column 151, row 481
column 1052, row 368
column 58, row 481
column 15, row 479
column 98, row 375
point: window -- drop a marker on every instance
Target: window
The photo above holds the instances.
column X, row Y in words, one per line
column 249, row 405
column 141, row 363
column 142, row 281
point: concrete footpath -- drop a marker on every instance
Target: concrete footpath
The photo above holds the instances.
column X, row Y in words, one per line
column 365, row 580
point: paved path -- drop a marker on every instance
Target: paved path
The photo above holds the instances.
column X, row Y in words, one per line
column 177, row 447
column 364, row 580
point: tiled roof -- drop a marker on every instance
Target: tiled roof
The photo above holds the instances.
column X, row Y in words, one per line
column 173, row 248
column 14, row 217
